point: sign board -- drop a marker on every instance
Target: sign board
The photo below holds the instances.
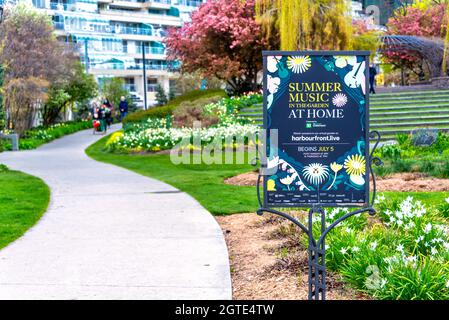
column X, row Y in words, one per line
column 316, row 120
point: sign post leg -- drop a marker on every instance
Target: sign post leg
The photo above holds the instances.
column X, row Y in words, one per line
column 317, row 259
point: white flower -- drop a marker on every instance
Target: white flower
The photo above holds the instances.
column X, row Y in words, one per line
column 400, row 248
column 373, row 245
column 340, row 100
column 299, row 64
column 355, row 249
column 343, row 250
column 428, row 228
column 433, row 251
column 447, row 284
column 316, row 173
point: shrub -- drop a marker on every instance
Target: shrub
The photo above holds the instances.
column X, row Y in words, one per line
column 190, row 111
column 426, row 166
column 403, row 139
column 164, row 111
column 390, row 151
column 399, row 165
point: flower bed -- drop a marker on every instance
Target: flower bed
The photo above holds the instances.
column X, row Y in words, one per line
column 402, row 253
column 432, row 160
column 156, row 134
column 35, row 137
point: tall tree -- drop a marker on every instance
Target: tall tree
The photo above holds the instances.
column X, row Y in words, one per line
column 423, row 20
column 32, row 59
column 307, row 24
column 224, row 41
column 66, row 92
column 113, row 89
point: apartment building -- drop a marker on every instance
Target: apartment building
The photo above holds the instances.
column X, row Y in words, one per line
column 121, row 38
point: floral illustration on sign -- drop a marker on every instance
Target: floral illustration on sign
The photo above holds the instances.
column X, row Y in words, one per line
column 273, row 84
column 340, row 100
column 335, row 167
column 271, row 185
column 299, row 64
column 316, row 173
column 355, row 166
column 343, row 61
column 356, row 77
column 272, row 63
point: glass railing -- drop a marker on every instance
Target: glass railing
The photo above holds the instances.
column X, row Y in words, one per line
column 160, row 1
column 151, row 50
column 62, row 6
column 131, row 30
column 151, row 87
column 121, row 66
column 58, row 25
column 130, row 87
column 190, row 3
column 106, row 29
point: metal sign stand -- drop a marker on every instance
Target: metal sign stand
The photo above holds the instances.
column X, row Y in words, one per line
column 316, row 247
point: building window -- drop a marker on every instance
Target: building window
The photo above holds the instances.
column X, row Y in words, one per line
column 39, row 3
column 152, row 85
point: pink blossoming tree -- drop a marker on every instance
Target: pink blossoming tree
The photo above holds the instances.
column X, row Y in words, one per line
column 222, row 40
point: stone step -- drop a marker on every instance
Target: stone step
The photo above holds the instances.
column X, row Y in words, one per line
column 416, row 103
column 408, row 118
column 411, row 124
column 408, row 107
column 438, row 111
column 407, row 93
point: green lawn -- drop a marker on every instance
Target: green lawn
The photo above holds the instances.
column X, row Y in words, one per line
column 205, row 182
column 23, row 200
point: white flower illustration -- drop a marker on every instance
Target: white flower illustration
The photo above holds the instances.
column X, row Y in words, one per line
column 299, row 64
column 273, row 84
column 343, row 61
column 272, row 63
column 316, row 173
column 340, row 100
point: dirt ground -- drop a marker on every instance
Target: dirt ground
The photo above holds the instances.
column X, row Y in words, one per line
column 402, row 182
column 260, row 271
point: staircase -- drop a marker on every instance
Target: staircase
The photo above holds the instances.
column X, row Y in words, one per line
column 398, row 112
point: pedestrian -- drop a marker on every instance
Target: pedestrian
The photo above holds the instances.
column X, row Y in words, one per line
column 123, row 108
column 108, row 112
column 372, row 78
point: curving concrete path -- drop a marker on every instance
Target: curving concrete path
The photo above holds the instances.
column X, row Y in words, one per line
column 111, row 234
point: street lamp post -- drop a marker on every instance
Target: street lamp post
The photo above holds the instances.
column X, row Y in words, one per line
column 144, row 67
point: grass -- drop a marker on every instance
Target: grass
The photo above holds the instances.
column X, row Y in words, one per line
column 205, row 182
column 23, row 200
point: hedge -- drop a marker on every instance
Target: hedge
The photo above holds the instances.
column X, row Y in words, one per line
column 163, row 111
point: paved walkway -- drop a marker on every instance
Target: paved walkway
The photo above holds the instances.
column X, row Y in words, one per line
column 111, row 234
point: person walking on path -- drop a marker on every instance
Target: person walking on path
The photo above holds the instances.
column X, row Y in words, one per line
column 372, row 78
column 108, row 112
column 123, row 108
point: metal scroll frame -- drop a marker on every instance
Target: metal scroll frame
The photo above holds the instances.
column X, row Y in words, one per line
column 316, row 247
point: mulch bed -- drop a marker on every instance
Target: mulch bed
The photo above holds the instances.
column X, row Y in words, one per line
column 260, row 272
column 401, row 182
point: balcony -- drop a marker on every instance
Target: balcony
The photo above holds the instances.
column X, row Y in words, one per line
column 130, row 87
column 62, row 6
column 135, row 31
column 190, row 3
column 151, row 50
column 140, row 17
